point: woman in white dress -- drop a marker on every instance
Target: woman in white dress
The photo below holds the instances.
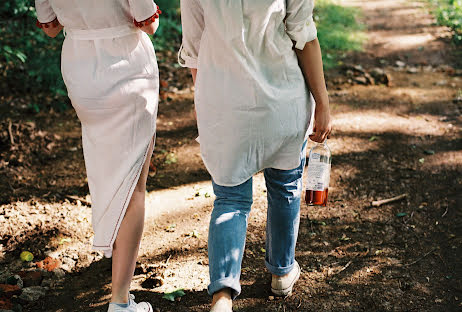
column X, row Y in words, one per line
column 257, row 66
column 110, row 71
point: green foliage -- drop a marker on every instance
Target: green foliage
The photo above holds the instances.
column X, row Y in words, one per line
column 167, row 5
column 173, row 295
column 29, row 61
column 168, row 35
column 449, row 13
column 338, row 30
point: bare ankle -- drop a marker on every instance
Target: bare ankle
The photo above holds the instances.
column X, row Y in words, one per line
column 224, row 294
column 279, row 276
column 119, row 299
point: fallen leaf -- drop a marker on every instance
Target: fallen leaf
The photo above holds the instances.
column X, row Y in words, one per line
column 401, row 214
column 65, row 240
column 26, row 256
column 171, row 296
column 170, row 228
column 163, row 83
column 194, row 233
column 171, row 159
column 49, row 264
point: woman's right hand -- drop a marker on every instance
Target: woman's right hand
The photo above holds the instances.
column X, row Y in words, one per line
column 51, row 29
column 151, row 28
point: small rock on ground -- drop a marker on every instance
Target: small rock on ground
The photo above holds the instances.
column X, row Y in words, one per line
column 32, row 293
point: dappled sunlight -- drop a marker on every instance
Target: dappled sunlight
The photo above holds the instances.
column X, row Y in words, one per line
column 176, row 199
column 189, row 272
column 342, row 144
column 373, row 4
column 48, row 221
column 225, row 217
column 363, row 274
column 414, row 94
column 427, row 91
column 381, row 122
column 396, row 42
column 447, row 160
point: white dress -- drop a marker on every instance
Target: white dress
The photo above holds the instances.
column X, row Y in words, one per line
column 253, row 106
column 110, row 71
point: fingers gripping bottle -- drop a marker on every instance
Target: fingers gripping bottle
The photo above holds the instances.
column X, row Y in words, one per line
column 318, row 175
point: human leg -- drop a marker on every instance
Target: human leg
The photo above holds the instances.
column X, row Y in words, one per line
column 125, row 250
column 227, row 231
column 284, row 190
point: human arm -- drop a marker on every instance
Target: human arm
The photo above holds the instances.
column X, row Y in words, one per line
column 146, row 15
column 193, row 74
column 192, row 21
column 310, row 61
column 51, row 29
column 151, row 28
column 46, row 18
column 302, row 30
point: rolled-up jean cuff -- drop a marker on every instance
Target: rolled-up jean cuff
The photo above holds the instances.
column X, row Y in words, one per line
column 227, row 282
column 279, row 271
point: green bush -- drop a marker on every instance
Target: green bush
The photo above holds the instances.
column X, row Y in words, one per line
column 168, row 35
column 29, row 61
column 449, row 13
column 339, row 30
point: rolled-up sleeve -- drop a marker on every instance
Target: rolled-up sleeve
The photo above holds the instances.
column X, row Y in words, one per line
column 192, row 21
column 299, row 22
column 142, row 9
column 45, row 13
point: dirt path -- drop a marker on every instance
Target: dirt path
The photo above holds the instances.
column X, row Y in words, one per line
column 388, row 140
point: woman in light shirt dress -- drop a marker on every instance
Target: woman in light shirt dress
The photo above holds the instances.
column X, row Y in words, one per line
column 257, row 66
column 110, row 71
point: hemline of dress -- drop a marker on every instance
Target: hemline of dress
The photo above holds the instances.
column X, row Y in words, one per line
column 107, row 250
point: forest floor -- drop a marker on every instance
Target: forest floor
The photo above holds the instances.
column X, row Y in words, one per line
column 397, row 114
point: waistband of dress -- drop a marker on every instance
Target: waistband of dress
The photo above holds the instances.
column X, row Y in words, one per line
column 102, row 33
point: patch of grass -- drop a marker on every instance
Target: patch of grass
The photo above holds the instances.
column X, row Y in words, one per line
column 449, row 13
column 339, row 30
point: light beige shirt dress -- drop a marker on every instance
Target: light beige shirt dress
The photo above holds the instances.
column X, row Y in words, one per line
column 253, row 106
column 110, row 71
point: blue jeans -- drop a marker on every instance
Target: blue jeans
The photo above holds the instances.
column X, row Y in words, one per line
column 228, row 226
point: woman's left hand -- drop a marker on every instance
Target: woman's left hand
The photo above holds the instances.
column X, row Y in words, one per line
column 322, row 124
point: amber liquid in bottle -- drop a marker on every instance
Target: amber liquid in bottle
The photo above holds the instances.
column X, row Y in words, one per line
column 316, row 197
column 318, row 175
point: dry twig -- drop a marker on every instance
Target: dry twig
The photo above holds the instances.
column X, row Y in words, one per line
column 446, row 211
column 377, row 203
column 10, row 132
column 414, row 262
column 83, row 201
column 168, row 259
column 344, row 267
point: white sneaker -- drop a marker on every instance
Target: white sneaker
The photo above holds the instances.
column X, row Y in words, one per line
column 132, row 306
column 221, row 306
column 282, row 286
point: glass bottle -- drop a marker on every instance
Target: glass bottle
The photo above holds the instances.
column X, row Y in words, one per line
column 318, row 175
